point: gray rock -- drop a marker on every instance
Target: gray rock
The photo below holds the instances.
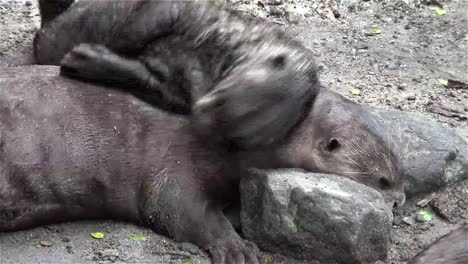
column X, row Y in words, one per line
column 433, row 155
column 189, row 247
column 317, row 217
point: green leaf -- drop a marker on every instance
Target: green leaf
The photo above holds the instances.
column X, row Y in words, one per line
column 439, row 11
column 426, row 215
column 375, row 31
column 355, row 91
column 186, row 261
column 137, row 237
column 97, row 235
column 46, row 243
column 443, row 82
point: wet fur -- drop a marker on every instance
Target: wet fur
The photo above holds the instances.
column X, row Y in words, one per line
column 71, row 150
column 449, row 249
column 245, row 82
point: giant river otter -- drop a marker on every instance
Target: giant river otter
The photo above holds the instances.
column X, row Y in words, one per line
column 71, row 150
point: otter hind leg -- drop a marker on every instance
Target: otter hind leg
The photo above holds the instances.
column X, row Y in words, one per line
column 23, row 214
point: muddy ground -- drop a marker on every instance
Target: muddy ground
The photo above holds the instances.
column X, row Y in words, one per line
column 396, row 69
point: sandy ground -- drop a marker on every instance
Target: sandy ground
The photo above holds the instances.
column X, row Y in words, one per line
column 397, row 69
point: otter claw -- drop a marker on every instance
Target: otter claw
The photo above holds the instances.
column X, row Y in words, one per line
column 234, row 253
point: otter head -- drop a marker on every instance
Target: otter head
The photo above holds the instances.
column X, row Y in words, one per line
column 341, row 137
column 259, row 99
column 338, row 137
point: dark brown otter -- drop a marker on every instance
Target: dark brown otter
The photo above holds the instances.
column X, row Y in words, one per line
column 449, row 249
column 247, row 66
column 71, row 150
column 247, row 80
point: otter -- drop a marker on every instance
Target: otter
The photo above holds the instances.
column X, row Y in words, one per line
column 245, row 83
column 71, row 150
column 449, row 249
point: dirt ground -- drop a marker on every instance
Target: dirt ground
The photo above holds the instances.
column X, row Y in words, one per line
column 396, row 69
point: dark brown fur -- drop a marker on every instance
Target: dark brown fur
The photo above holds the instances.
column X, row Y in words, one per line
column 246, row 82
column 202, row 42
column 449, row 249
column 70, row 150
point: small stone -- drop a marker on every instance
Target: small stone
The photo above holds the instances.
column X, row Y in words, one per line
column 336, row 13
column 410, row 97
column 424, row 227
column 293, row 17
column 190, row 248
column 408, row 220
column 274, row 11
column 28, row 3
column 402, row 86
column 65, row 239
column 425, row 201
column 46, row 243
column 69, row 249
column 397, row 220
column 407, row 26
column 360, row 45
column 274, row 2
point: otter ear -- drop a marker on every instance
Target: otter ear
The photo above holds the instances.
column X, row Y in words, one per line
column 278, row 61
column 332, row 145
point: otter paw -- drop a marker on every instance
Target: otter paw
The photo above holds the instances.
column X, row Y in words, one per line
column 89, row 61
column 234, row 252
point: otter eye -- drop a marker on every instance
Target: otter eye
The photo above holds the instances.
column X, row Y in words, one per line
column 384, row 182
column 279, row 61
column 333, row 144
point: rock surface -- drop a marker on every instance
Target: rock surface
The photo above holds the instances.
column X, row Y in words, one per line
column 433, row 155
column 318, row 217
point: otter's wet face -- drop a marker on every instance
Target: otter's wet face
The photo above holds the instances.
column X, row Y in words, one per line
column 342, row 138
column 258, row 102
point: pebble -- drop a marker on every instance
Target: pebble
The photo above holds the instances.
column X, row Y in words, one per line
column 410, row 97
column 65, row 239
column 408, row 220
column 336, row 14
column 46, row 243
column 360, row 45
column 190, row 248
column 402, row 86
column 69, row 249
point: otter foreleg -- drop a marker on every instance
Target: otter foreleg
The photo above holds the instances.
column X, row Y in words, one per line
column 97, row 63
column 187, row 214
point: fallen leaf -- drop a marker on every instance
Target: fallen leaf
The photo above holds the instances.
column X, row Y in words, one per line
column 425, row 215
column 355, row 91
column 137, row 237
column 187, row 261
column 454, row 84
column 97, row 235
column 46, row 243
column 439, row 11
column 214, row 2
column 425, row 201
column 375, row 31
column 443, row 82
column 441, row 109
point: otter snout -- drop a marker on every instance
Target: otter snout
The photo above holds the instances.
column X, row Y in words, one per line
column 395, row 199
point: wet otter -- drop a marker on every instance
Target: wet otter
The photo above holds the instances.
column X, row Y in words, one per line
column 449, row 249
column 247, row 82
column 71, row 150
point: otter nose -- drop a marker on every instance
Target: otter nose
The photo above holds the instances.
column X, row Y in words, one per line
column 400, row 200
